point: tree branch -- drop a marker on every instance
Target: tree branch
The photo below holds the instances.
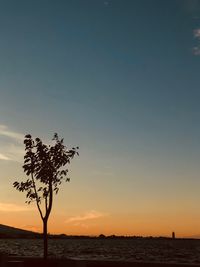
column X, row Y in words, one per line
column 46, row 204
column 37, row 199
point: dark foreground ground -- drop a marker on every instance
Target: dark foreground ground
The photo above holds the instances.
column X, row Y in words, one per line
column 177, row 251
column 36, row 262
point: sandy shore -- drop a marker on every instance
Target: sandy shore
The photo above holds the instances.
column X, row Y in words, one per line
column 36, row 262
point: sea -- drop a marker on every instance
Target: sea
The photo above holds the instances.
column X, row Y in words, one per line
column 142, row 250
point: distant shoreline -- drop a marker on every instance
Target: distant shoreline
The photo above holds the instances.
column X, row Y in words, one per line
column 13, row 232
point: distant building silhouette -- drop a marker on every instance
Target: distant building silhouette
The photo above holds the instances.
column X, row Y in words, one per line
column 173, row 235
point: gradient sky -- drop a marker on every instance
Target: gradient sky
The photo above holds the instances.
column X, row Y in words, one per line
column 120, row 79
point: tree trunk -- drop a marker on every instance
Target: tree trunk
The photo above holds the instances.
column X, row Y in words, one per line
column 45, row 254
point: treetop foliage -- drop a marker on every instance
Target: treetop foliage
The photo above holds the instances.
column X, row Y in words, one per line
column 45, row 167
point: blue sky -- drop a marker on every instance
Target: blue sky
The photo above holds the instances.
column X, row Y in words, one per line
column 121, row 80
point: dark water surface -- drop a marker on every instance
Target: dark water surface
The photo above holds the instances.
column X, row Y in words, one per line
column 150, row 250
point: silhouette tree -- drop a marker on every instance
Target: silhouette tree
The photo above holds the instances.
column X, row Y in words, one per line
column 44, row 166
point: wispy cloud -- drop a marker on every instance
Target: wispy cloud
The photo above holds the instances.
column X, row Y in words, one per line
column 82, row 225
column 11, row 207
column 11, row 134
column 196, row 48
column 29, row 227
column 12, row 152
column 3, row 157
column 12, row 147
column 196, row 33
column 91, row 215
column 15, row 152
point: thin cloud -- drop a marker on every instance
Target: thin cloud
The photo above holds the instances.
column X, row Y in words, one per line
column 11, row 207
column 3, row 157
column 15, row 152
column 81, row 224
column 196, row 33
column 12, row 152
column 12, row 148
column 196, row 51
column 11, row 134
column 29, row 227
column 91, row 215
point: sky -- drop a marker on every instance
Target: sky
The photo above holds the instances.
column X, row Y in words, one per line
column 120, row 79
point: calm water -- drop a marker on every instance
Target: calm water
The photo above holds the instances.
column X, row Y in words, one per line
column 182, row 251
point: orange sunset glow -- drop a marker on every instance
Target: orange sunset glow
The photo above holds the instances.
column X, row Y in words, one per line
column 120, row 80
